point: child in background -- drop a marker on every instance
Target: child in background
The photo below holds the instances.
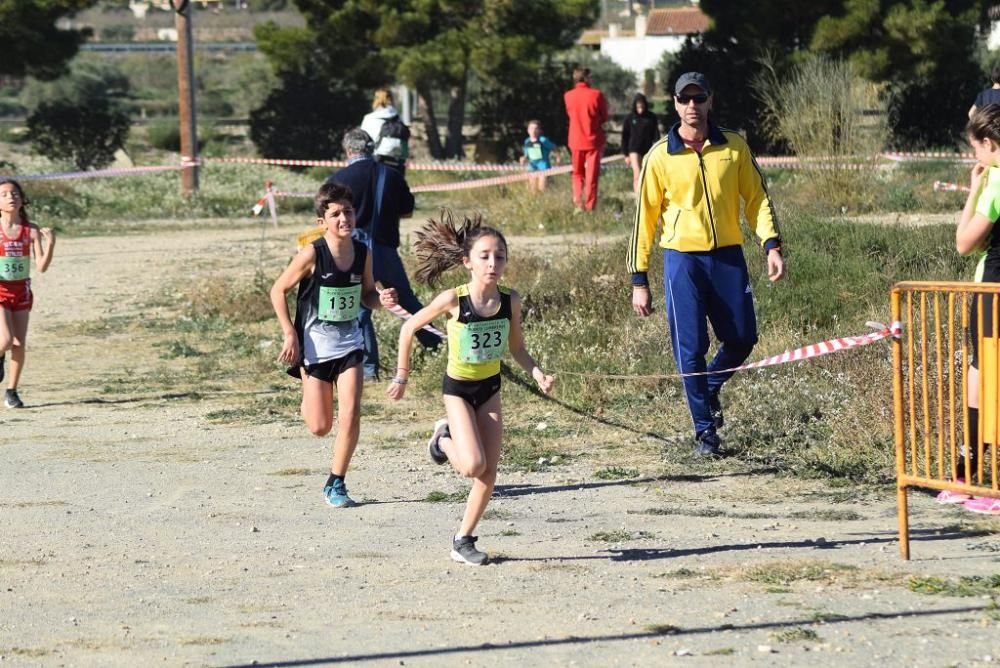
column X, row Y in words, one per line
column 19, row 238
column 484, row 319
column 537, row 150
column 640, row 130
column 324, row 345
column 976, row 233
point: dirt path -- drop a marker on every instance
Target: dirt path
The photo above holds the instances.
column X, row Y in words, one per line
column 135, row 531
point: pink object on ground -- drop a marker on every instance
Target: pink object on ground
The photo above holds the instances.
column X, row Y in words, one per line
column 947, row 496
column 983, row 505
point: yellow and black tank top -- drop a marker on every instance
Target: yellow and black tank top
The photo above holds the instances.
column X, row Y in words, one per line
column 477, row 342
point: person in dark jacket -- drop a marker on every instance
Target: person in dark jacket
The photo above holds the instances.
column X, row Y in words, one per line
column 989, row 95
column 640, row 130
column 381, row 197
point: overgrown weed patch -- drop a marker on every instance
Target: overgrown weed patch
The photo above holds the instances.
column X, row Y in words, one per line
column 972, row 585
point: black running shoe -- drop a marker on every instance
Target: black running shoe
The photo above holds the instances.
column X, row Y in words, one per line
column 433, row 449
column 464, row 550
column 715, row 406
column 12, row 400
column 708, row 444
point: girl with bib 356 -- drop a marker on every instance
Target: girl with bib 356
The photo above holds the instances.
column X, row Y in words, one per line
column 484, row 320
column 324, row 345
column 18, row 239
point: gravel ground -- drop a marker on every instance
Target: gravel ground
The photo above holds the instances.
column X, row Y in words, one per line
column 135, row 531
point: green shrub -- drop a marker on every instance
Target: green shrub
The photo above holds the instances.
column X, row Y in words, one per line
column 80, row 117
column 165, row 135
column 119, row 32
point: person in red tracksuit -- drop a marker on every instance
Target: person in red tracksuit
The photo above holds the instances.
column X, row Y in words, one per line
column 588, row 112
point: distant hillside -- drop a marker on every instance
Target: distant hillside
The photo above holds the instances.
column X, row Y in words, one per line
column 210, row 25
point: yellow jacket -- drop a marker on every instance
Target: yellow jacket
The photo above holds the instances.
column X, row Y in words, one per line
column 698, row 198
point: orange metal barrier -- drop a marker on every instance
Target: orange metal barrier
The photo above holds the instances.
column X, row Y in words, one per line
column 931, row 393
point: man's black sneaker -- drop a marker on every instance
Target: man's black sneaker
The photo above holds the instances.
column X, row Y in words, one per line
column 433, row 449
column 3, row 360
column 715, row 406
column 464, row 550
column 708, row 444
column 12, row 400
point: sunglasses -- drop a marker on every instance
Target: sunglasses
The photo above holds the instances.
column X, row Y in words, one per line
column 700, row 98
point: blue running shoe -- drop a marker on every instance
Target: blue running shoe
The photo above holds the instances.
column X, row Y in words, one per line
column 336, row 495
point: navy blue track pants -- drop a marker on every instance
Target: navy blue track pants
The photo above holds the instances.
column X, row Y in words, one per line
column 703, row 287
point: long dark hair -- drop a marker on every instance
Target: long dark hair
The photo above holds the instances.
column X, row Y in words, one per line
column 441, row 244
column 20, row 191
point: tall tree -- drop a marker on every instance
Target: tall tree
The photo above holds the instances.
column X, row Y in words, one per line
column 729, row 52
column 33, row 45
column 323, row 69
column 434, row 46
column 919, row 49
column 438, row 45
column 922, row 50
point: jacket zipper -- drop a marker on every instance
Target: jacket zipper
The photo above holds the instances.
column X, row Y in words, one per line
column 708, row 200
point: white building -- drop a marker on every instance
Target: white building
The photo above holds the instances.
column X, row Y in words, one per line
column 662, row 31
column 993, row 38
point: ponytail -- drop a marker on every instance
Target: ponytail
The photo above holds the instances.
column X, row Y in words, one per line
column 441, row 244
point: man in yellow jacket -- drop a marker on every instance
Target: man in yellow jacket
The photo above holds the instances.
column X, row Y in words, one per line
column 693, row 181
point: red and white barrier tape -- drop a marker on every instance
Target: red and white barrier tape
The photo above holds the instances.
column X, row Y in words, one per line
column 432, row 166
column 98, row 173
column 788, row 162
column 457, row 185
column 901, row 156
column 950, row 187
column 824, row 347
column 503, row 180
column 798, row 355
column 268, row 200
column 894, row 330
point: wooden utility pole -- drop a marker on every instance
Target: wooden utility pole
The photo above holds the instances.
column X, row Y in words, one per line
column 185, row 95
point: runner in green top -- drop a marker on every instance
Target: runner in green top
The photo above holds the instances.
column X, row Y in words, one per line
column 484, row 320
column 977, row 233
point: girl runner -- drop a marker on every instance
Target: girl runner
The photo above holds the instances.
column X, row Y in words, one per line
column 484, row 319
column 18, row 239
column 324, row 345
column 976, row 233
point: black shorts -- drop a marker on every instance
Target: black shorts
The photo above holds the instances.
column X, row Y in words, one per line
column 330, row 370
column 473, row 392
column 974, row 324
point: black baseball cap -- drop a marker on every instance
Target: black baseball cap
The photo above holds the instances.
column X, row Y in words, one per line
column 692, row 79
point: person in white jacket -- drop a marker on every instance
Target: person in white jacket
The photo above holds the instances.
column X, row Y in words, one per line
column 391, row 144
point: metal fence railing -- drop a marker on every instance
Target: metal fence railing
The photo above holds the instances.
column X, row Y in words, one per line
column 933, row 385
